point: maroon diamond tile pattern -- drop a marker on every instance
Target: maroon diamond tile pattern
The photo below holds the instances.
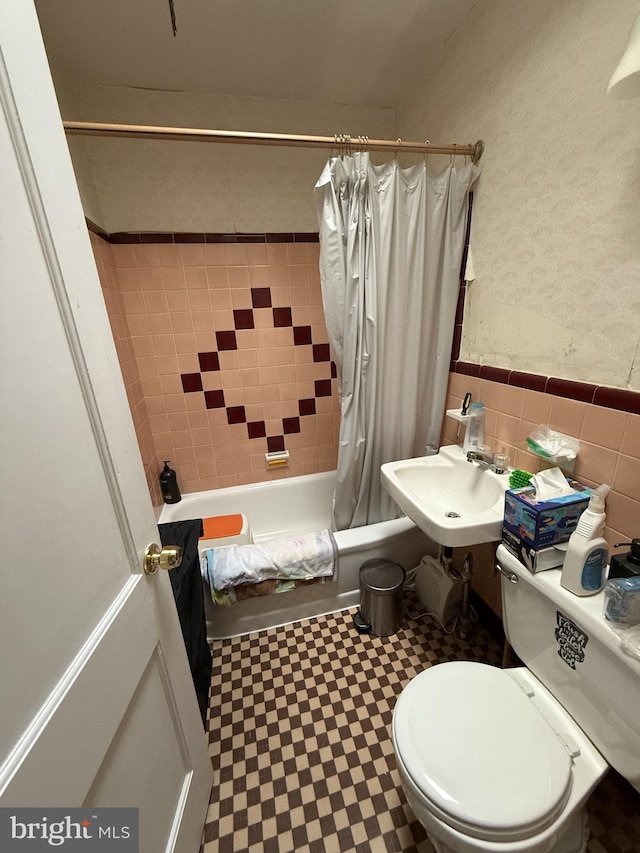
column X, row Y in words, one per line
column 226, row 340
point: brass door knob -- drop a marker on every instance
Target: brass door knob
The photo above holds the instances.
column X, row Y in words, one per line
column 167, row 558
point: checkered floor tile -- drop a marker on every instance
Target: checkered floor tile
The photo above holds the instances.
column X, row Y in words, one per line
column 299, row 733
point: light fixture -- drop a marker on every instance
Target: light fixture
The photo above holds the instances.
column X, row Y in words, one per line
column 625, row 80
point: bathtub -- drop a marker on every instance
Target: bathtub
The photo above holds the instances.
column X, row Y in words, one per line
column 284, row 508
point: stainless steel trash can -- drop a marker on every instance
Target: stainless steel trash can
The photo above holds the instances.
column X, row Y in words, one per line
column 381, row 585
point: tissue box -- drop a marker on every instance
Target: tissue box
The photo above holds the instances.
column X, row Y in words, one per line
column 535, row 559
column 547, row 522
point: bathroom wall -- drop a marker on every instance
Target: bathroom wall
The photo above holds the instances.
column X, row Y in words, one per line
column 226, row 347
column 144, row 185
column 609, row 439
column 556, row 211
column 109, row 281
column 554, row 232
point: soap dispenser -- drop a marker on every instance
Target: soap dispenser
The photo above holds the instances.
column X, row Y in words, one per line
column 584, row 567
column 169, row 485
column 626, row 565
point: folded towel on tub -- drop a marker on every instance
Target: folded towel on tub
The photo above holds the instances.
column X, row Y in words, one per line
column 303, row 557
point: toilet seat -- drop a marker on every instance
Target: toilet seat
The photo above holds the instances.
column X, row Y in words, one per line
column 480, row 753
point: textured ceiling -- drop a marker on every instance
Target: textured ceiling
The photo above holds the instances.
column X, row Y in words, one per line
column 340, row 51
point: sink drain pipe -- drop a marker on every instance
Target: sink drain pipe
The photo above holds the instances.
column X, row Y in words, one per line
column 464, row 626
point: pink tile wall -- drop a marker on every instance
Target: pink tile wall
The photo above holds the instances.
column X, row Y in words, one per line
column 109, row 280
column 175, row 298
column 609, row 440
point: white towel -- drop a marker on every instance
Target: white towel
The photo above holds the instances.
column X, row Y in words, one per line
column 310, row 555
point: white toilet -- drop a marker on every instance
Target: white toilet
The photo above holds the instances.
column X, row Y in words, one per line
column 496, row 760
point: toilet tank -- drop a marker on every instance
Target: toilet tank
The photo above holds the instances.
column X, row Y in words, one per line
column 566, row 643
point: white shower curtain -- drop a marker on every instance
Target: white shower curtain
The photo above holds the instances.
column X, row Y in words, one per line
column 391, row 244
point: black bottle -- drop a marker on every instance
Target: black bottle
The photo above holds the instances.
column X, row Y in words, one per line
column 169, row 485
column 626, row 565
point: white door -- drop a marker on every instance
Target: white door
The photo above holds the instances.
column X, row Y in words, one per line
column 97, row 706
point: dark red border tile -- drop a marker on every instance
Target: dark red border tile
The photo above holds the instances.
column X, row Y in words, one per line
column 494, row 374
column 276, row 237
column 188, row 237
column 530, row 381
column 156, row 238
column 251, row 238
column 322, row 387
column 617, row 398
column 205, row 237
column 95, row 229
column 460, row 307
column 466, row 367
column 581, row 391
column 123, row 237
column 457, row 340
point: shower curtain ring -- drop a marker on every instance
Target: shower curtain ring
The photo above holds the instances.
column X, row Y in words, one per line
column 427, row 144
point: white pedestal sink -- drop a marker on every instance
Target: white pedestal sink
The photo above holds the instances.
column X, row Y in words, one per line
column 455, row 502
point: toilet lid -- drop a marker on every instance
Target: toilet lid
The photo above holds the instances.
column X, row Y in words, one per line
column 480, row 751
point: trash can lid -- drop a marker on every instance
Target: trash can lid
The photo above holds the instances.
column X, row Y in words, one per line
column 382, row 576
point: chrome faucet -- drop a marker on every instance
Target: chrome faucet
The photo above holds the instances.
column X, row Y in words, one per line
column 484, row 460
column 498, row 462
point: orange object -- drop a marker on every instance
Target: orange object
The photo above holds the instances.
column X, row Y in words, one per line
column 220, row 526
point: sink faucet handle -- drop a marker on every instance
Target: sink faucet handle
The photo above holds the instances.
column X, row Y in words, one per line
column 481, row 454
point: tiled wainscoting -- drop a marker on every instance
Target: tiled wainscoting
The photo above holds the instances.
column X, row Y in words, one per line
column 223, row 347
column 609, row 439
column 225, row 355
column 114, row 302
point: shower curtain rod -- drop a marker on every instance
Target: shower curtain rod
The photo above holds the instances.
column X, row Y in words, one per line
column 340, row 141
